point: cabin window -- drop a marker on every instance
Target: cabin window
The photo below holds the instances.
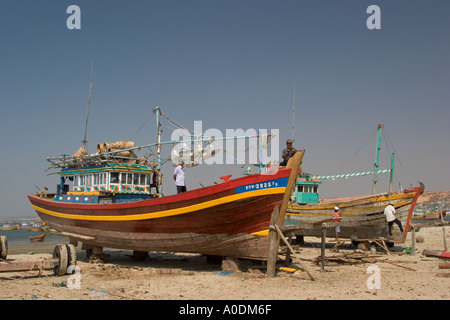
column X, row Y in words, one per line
column 126, row 178
column 300, row 189
column 75, row 181
column 102, row 179
column 114, row 177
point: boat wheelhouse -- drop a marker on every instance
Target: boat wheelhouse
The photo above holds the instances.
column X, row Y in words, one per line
column 306, row 189
column 112, row 183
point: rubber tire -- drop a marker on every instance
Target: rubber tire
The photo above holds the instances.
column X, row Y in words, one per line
column 72, row 256
column 3, row 247
column 60, row 253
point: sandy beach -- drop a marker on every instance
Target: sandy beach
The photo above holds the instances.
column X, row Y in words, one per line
column 168, row 276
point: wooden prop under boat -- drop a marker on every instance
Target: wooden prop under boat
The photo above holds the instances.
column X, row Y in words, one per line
column 362, row 217
column 38, row 238
column 227, row 219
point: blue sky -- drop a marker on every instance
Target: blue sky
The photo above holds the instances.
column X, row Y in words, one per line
column 231, row 64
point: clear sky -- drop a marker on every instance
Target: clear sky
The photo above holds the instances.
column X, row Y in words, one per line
column 231, row 64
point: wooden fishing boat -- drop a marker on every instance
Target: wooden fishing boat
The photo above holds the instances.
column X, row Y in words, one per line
column 38, row 238
column 362, row 216
column 226, row 219
column 14, row 227
column 429, row 216
column 110, row 204
column 37, row 229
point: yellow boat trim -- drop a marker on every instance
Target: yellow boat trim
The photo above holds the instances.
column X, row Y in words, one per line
column 83, row 193
column 165, row 213
column 329, row 214
column 263, row 233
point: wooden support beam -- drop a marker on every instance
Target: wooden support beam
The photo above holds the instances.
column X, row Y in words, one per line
column 322, row 251
column 443, row 233
column 273, row 243
column 293, row 163
column 292, row 250
column 28, row 265
column 413, row 239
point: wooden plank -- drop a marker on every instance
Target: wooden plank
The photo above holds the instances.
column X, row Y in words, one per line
column 292, row 250
column 294, row 163
column 27, row 265
column 322, row 251
column 273, row 244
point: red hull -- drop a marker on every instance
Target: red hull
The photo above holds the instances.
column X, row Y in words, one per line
column 222, row 219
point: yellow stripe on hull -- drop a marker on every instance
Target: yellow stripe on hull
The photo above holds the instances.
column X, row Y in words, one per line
column 330, row 214
column 165, row 213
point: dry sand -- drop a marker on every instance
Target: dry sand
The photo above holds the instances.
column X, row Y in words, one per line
column 166, row 276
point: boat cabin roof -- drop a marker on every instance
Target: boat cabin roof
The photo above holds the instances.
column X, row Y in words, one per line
column 106, row 168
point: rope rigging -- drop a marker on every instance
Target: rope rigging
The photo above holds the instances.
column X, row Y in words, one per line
column 355, row 154
column 389, row 145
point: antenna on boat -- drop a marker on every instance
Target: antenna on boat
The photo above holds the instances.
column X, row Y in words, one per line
column 293, row 116
column 89, row 104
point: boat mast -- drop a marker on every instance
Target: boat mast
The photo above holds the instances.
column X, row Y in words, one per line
column 293, row 117
column 158, row 150
column 391, row 178
column 375, row 169
column 89, row 105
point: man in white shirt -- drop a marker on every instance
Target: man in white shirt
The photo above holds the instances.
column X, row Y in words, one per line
column 389, row 212
column 178, row 177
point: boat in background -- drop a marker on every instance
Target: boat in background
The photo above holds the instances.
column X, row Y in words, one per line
column 429, row 216
column 14, row 227
column 362, row 216
column 38, row 238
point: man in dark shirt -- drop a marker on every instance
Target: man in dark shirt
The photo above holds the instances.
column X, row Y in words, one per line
column 287, row 153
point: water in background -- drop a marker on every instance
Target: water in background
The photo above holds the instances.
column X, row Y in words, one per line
column 23, row 236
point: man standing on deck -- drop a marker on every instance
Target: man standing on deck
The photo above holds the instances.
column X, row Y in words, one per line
column 287, row 153
column 389, row 212
column 178, row 177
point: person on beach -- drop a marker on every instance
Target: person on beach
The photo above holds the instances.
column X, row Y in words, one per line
column 287, row 153
column 389, row 212
column 337, row 217
column 179, row 178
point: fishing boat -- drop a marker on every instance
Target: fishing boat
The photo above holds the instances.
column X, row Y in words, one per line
column 110, row 203
column 429, row 216
column 14, row 227
column 362, row 216
column 38, row 238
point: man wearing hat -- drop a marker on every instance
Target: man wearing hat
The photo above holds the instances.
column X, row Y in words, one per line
column 389, row 212
column 336, row 219
column 287, row 153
